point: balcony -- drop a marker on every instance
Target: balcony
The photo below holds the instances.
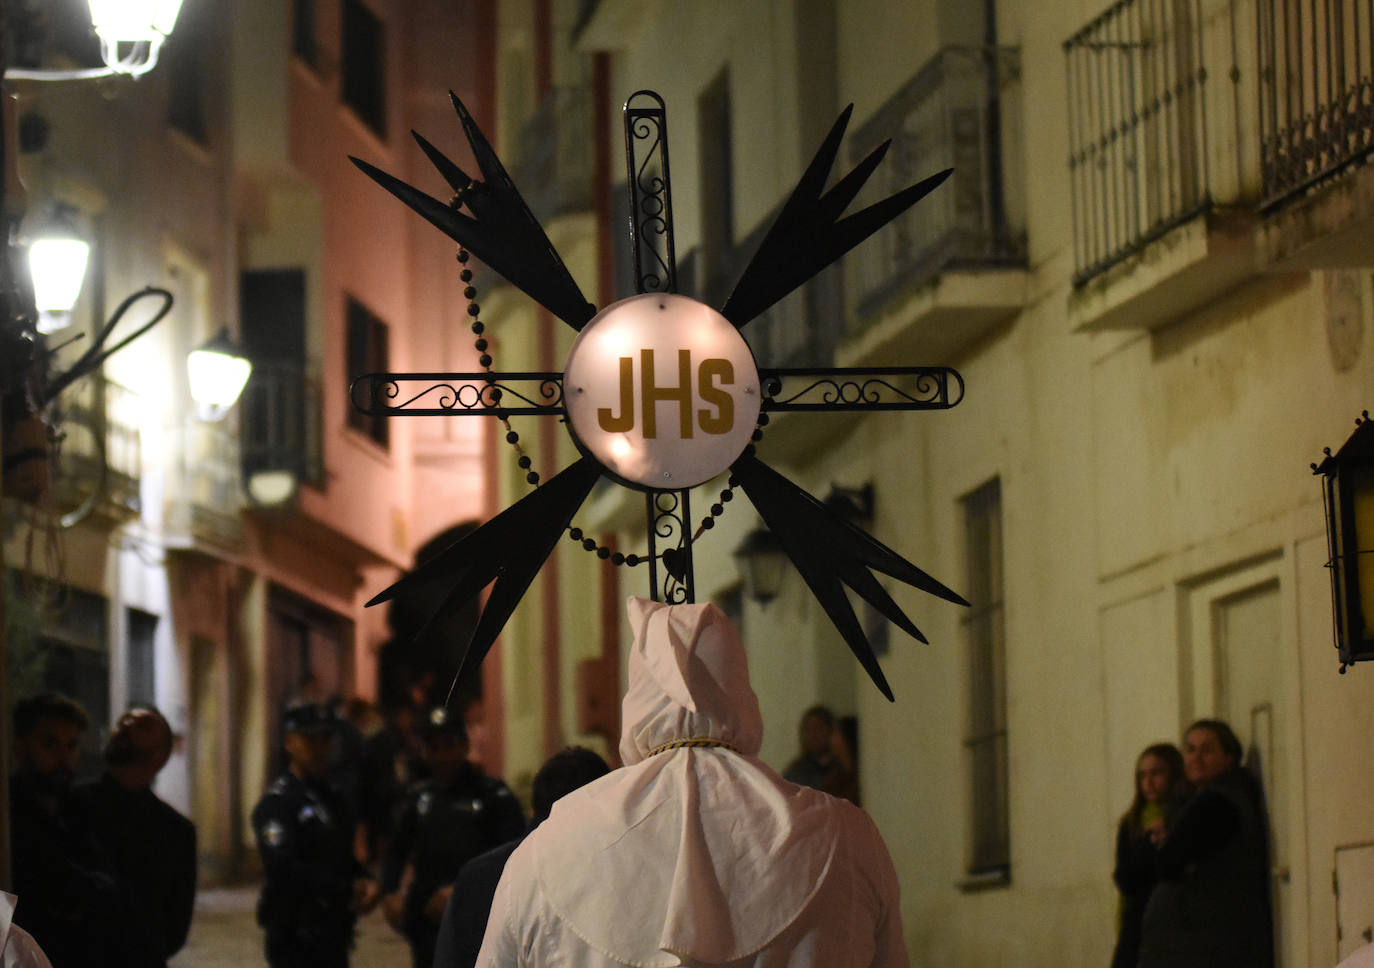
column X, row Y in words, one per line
column 203, row 494
column 952, row 268
column 1163, row 160
column 99, row 460
column 1316, row 119
column 281, row 432
column 554, row 159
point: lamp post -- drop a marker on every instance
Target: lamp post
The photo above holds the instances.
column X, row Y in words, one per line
column 1348, row 496
column 218, row 371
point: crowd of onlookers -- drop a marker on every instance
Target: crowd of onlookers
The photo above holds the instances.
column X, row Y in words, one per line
column 388, row 810
column 1192, row 858
column 104, row 872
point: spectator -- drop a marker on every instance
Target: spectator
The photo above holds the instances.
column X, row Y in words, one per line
column 313, row 887
column 696, row 852
column 812, row 767
column 445, row 821
column 1159, row 789
column 152, row 847
column 72, row 904
column 1210, row 907
column 843, row 779
column 465, row 916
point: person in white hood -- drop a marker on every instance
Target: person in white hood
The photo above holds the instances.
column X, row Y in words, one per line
column 696, row 853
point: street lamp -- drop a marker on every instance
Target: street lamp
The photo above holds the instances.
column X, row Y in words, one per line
column 131, row 35
column 139, row 25
column 218, row 371
column 762, row 563
column 1348, row 496
column 57, row 265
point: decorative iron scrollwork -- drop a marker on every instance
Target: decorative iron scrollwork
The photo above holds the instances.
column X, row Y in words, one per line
column 651, row 203
column 856, row 388
column 669, row 517
column 458, row 394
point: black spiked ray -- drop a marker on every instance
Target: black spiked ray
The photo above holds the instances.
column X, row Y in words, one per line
column 501, row 231
column 828, row 551
column 509, row 549
column 809, row 234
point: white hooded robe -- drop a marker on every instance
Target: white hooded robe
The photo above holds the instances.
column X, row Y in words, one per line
column 696, row 853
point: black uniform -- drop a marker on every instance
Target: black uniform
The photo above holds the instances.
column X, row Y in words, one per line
column 439, row 829
column 305, row 836
column 153, row 850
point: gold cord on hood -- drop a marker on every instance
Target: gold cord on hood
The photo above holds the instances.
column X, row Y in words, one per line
column 693, row 743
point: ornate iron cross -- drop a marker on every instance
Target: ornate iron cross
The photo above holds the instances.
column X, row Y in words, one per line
column 702, row 349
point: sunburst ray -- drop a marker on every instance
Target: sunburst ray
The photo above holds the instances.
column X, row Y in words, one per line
column 502, row 231
column 509, row 549
column 809, row 234
column 830, row 552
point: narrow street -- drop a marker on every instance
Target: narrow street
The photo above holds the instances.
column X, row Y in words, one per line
column 224, row 934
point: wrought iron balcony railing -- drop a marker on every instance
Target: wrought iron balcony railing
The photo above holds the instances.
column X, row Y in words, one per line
column 99, row 460
column 1316, row 91
column 1138, row 133
column 554, row 167
column 953, row 113
column 280, row 423
column 203, row 493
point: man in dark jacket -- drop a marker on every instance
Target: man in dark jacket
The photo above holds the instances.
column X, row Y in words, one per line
column 465, row 917
column 69, row 899
column 314, row 888
column 445, row 821
column 151, row 845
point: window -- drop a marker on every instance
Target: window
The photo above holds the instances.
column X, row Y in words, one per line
column 279, row 410
column 717, row 188
column 303, row 43
column 185, row 61
column 367, row 353
column 139, row 666
column 364, row 65
column 985, row 732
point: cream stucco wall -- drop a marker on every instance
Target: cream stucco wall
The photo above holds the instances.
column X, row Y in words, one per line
column 1152, row 479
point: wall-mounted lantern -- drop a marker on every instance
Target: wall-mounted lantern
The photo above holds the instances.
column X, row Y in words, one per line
column 132, row 32
column 57, row 264
column 1348, row 495
column 218, row 371
column 762, row 563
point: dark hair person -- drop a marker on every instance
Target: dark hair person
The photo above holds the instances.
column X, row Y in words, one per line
column 1160, row 789
column 1211, row 906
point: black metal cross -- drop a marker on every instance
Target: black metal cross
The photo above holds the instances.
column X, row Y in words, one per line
column 489, row 218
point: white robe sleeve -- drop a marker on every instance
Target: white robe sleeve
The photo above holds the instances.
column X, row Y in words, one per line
column 889, row 942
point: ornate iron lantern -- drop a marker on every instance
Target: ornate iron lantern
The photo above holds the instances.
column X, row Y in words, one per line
column 1348, row 496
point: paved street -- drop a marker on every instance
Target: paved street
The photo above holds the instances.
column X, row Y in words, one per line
column 225, row 935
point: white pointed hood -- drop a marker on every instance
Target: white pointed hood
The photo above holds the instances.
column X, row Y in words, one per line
column 715, row 854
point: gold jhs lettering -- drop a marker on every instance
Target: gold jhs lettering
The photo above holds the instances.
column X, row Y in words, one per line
column 711, row 375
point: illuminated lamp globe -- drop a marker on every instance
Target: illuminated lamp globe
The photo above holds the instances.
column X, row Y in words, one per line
column 218, row 371
column 271, row 488
column 57, row 265
column 140, row 26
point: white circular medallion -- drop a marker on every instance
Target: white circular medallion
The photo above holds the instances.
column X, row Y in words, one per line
column 662, row 390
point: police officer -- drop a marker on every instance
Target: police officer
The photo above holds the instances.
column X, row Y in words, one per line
column 444, row 821
column 314, row 888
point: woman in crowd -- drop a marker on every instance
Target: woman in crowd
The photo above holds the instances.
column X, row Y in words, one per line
column 1159, row 790
column 1210, row 907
